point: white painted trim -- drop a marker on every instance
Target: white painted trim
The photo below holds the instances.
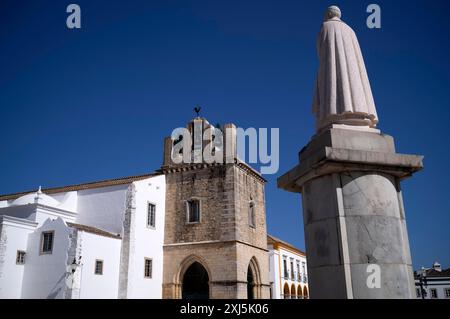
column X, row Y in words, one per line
column 55, row 211
column 18, row 222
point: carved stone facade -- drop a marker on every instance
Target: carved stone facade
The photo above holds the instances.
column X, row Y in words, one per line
column 230, row 238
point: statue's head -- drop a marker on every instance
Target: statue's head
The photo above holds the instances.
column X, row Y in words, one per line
column 332, row 12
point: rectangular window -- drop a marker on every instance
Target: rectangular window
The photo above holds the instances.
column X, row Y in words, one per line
column 47, row 242
column 20, row 257
column 193, row 211
column 98, row 267
column 299, row 275
column 251, row 215
column 292, row 270
column 151, row 215
column 447, row 292
column 305, row 279
column 285, row 270
column 148, row 268
column 433, row 292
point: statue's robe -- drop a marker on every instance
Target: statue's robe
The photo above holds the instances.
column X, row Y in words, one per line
column 342, row 93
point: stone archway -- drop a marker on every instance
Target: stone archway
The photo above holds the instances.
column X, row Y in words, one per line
column 250, row 283
column 299, row 292
column 286, row 292
column 305, row 293
column 293, row 292
column 253, row 280
column 192, row 281
column 195, row 284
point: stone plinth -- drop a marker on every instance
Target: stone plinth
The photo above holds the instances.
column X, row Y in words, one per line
column 353, row 213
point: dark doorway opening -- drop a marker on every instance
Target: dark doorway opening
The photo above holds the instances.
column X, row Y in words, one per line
column 195, row 282
column 250, row 284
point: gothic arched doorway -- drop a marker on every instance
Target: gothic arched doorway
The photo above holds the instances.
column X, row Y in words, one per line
column 253, row 280
column 195, row 282
column 250, row 283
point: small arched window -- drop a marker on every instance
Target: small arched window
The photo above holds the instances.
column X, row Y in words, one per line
column 251, row 215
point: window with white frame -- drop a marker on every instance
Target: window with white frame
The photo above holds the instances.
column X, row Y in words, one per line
column 433, row 293
column 285, row 269
column 47, row 242
column 251, row 215
column 305, row 278
column 193, row 211
column 98, row 267
column 148, row 267
column 447, row 292
column 292, row 269
column 151, row 215
column 299, row 275
column 20, row 257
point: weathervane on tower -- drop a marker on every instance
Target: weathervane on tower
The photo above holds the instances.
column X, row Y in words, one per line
column 197, row 110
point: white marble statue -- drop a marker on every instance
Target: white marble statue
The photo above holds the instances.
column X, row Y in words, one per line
column 342, row 93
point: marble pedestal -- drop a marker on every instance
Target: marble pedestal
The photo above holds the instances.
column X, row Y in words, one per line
column 353, row 214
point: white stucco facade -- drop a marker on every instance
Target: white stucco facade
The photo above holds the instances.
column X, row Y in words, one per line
column 103, row 240
column 288, row 270
column 432, row 283
column 93, row 286
column 84, row 241
column 147, row 240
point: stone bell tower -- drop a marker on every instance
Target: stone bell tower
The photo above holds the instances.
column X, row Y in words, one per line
column 215, row 243
column 349, row 176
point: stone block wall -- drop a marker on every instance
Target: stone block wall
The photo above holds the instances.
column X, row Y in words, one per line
column 223, row 241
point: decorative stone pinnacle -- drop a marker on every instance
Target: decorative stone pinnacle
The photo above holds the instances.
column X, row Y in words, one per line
column 38, row 195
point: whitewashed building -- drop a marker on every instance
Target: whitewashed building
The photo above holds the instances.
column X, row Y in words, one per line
column 148, row 236
column 433, row 283
column 95, row 240
column 288, row 271
column 104, row 240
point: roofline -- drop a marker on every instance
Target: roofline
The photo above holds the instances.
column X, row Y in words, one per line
column 284, row 244
column 192, row 166
column 89, row 185
column 93, row 230
column 21, row 222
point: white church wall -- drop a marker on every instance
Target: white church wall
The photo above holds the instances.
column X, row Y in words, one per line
column 45, row 274
column 68, row 200
column 102, row 207
column 148, row 241
column 95, row 247
column 13, row 237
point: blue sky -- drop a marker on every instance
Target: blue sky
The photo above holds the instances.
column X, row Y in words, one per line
column 92, row 104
